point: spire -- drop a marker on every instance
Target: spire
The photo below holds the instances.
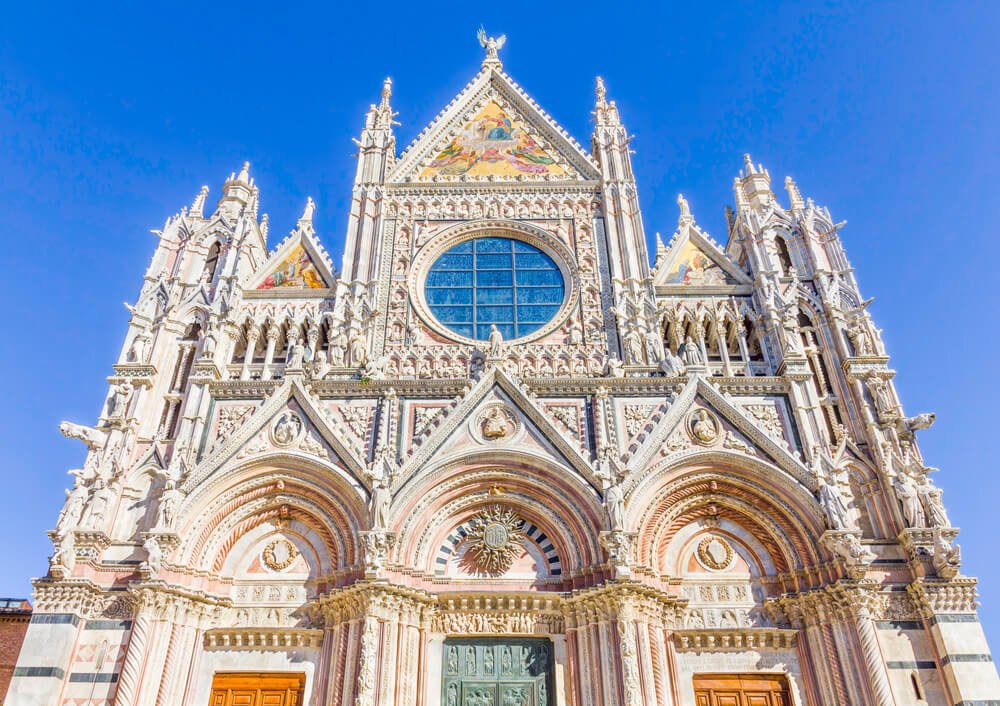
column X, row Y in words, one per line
column 756, row 183
column 794, row 195
column 602, row 93
column 198, row 207
column 238, row 190
column 306, row 221
column 265, row 225
column 492, row 45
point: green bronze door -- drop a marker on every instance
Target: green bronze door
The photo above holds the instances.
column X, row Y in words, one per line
column 496, row 672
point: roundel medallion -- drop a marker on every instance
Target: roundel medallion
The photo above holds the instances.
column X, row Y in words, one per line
column 715, row 552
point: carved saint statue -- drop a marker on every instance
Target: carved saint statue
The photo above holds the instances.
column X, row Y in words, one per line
column 496, row 342
column 691, row 353
column 97, row 509
column 154, row 555
column 357, row 354
column 880, row 394
column 167, row 508
column 671, row 365
column 337, row 351
column 381, row 499
column 838, row 515
column 613, row 367
column 930, row 498
column 75, row 500
column 614, row 500
column 633, row 347
column 654, row 347
column 909, row 497
column 296, row 355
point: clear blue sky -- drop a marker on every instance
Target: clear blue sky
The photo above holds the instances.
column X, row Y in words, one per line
column 112, row 117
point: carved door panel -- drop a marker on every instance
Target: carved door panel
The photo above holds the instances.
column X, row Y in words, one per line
column 257, row 689
column 741, row 690
column 497, row 672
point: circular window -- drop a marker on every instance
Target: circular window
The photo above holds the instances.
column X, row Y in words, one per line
column 494, row 281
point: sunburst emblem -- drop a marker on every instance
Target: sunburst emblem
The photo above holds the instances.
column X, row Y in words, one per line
column 496, row 538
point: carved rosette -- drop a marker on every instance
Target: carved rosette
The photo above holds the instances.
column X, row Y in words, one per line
column 496, row 538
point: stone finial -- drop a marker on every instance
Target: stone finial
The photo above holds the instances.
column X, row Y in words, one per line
column 685, row 217
column 198, row 207
column 748, row 165
column 492, row 45
column 306, row 220
column 244, row 174
column 386, row 92
column 794, row 196
column 602, row 93
column 265, row 225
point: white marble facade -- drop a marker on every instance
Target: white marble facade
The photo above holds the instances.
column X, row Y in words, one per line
column 693, row 466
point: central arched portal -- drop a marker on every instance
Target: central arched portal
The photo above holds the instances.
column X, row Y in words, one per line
column 497, row 671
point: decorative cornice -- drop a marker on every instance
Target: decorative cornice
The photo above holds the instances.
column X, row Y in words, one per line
column 727, row 640
column 263, row 639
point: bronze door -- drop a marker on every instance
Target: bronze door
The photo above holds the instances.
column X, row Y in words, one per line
column 496, row 672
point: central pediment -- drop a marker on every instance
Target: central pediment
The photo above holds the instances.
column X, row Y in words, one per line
column 493, row 132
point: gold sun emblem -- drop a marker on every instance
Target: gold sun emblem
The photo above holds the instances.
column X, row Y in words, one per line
column 496, row 538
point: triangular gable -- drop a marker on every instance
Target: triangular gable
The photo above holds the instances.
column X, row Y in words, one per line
column 299, row 263
column 495, row 385
column 694, row 264
column 699, row 392
column 290, row 389
column 493, row 131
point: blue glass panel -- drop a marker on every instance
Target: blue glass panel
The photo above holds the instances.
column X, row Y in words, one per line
column 453, row 314
column 539, row 295
column 492, row 245
column 493, row 296
column 529, row 261
column 495, row 314
column 494, row 278
column 493, row 262
column 449, row 295
column 498, row 281
column 449, row 279
column 535, row 313
column 453, row 261
column 539, row 278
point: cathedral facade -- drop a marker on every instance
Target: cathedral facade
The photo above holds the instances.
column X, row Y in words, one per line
column 500, row 458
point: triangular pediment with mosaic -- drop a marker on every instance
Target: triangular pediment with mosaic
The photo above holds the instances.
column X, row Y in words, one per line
column 299, row 264
column 291, row 423
column 495, row 418
column 694, row 264
column 493, row 132
column 702, row 419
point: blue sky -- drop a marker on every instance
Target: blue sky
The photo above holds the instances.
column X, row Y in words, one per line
column 112, row 117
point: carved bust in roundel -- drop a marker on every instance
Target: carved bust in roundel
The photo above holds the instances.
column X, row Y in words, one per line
column 286, row 429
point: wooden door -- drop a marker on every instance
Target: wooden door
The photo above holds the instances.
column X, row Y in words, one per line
column 741, row 690
column 257, row 689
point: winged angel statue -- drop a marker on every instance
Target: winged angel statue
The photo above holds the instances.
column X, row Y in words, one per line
column 491, row 44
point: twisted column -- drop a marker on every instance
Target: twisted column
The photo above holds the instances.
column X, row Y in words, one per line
column 128, row 680
column 874, row 664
